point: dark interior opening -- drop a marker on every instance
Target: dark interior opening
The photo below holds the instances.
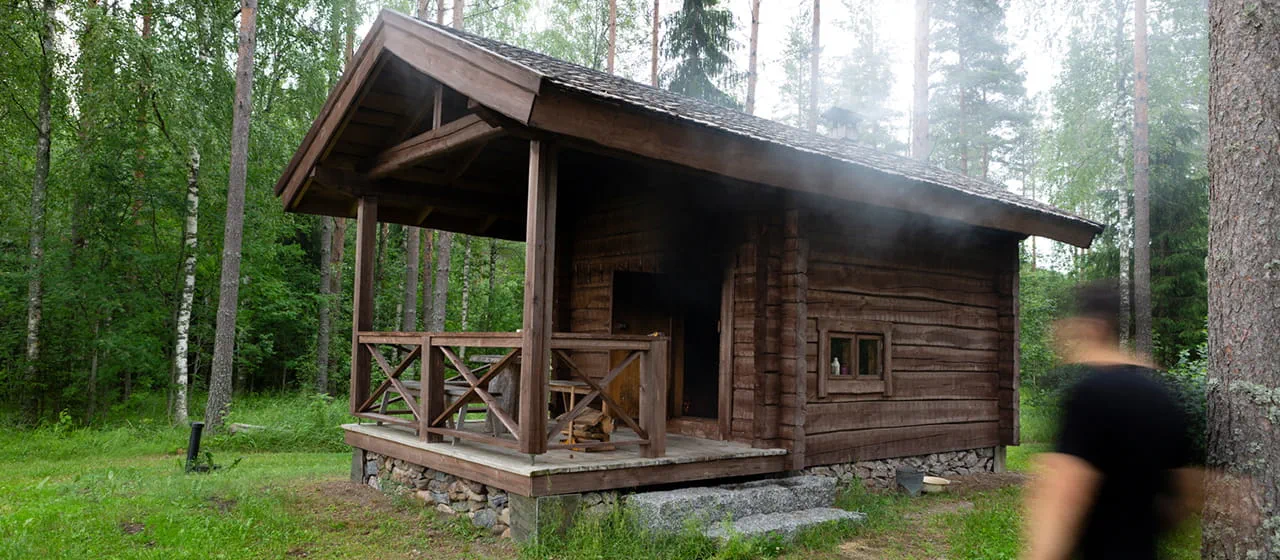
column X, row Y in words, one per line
column 686, row 306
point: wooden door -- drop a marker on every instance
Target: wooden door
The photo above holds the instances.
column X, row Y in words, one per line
column 625, row 389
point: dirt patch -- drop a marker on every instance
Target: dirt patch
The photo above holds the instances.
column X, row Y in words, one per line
column 965, row 485
column 297, row 552
column 223, row 505
column 132, row 527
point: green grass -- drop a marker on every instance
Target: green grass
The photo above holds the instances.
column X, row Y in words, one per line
column 118, row 491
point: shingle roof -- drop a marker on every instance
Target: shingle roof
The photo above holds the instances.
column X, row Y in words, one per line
column 607, row 86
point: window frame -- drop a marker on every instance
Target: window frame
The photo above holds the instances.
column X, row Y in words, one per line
column 829, row 383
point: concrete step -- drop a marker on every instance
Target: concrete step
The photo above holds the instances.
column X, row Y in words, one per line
column 670, row 510
column 784, row 524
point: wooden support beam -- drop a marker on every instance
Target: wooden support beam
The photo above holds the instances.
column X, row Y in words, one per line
column 432, row 398
column 653, row 398
column 362, row 307
column 539, row 277
column 467, row 131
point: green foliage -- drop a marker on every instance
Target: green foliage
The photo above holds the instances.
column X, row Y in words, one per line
column 1187, row 379
column 1043, row 298
column 699, row 38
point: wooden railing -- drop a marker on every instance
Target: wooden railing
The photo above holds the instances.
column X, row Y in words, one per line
column 439, row 403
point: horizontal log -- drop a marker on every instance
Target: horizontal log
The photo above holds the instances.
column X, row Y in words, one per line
column 836, row 305
column 932, row 358
column 871, row 280
column 882, row 443
column 938, row 385
column 823, row 417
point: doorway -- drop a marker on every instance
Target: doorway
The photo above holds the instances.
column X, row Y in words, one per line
column 685, row 307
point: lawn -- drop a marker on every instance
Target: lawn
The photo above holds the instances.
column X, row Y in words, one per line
column 120, row 492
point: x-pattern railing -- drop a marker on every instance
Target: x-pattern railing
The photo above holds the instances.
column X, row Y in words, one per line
column 370, row 407
column 598, row 390
column 438, row 395
column 478, row 388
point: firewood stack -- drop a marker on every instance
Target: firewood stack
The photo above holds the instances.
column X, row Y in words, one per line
column 591, row 425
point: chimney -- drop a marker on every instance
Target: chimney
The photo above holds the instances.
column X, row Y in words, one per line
column 841, row 123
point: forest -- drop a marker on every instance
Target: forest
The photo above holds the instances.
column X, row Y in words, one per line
column 117, row 117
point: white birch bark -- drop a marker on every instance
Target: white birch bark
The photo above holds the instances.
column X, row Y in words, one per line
column 189, row 229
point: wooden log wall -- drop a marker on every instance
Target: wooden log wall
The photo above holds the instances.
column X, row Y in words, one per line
column 950, row 294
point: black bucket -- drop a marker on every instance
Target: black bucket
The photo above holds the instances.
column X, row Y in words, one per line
column 910, row 480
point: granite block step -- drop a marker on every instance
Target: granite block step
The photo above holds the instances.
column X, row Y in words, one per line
column 671, row 510
column 784, row 524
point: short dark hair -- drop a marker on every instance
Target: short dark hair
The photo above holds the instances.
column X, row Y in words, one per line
column 1099, row 300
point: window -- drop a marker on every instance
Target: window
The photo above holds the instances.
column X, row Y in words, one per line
column 853, row 357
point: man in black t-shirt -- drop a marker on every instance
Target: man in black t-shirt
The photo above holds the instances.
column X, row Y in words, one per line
column 1117, row 476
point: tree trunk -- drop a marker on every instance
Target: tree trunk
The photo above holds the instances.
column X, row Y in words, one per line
column 428, row 317
column 493, row 271
column 93, row 376
column 613, row 34
column 326, row 301
column 439, row 307
column 440, row 12
column 920, row 87
column 39, row 187
column 377, row 263
column 422, row 9
column 752, row 75
column 653, row 46
column 466, row 283
column 409, row 322
column 458, row 11
column 1124, row 225
column 1244, row 277
column 189, row 228
column 815, row 75
column 229, row 285
column 1141, row 187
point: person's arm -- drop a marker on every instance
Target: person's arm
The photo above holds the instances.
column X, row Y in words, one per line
column 1058, row 499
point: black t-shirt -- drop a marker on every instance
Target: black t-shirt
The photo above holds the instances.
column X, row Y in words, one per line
column 1129, row 426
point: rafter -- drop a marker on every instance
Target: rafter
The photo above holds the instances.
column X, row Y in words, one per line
column 467, row 131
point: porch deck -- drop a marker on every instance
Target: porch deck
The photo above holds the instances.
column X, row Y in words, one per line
column 563, row 471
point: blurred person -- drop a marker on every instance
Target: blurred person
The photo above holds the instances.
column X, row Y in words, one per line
column 1119, row 475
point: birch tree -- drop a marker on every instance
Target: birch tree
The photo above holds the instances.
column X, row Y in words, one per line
column 183, row 328
column 920, row 85
column 39, row 188
column 229, row 285
column 754, row 47
column 815, row 72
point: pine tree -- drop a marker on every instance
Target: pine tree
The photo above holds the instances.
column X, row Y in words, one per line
column 1244, row 278
column 699, row 40
column 795, row 61
column 978, row 103
column 1141, row 186
column 864, row 80
column 228, row 298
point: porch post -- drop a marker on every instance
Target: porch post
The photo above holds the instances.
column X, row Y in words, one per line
column 539, row 274
column 362, row 307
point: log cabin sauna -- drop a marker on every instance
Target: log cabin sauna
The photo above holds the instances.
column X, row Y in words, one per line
column 739, row 296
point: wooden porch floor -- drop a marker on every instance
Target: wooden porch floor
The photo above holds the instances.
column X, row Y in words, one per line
column 563, row 471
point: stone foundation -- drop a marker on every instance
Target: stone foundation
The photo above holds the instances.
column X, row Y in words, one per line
column 880, row 473
column 487, row 507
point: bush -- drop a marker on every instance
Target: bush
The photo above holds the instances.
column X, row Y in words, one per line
column 1187, row 381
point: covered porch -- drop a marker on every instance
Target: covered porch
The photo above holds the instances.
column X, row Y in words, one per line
column 429, row 131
